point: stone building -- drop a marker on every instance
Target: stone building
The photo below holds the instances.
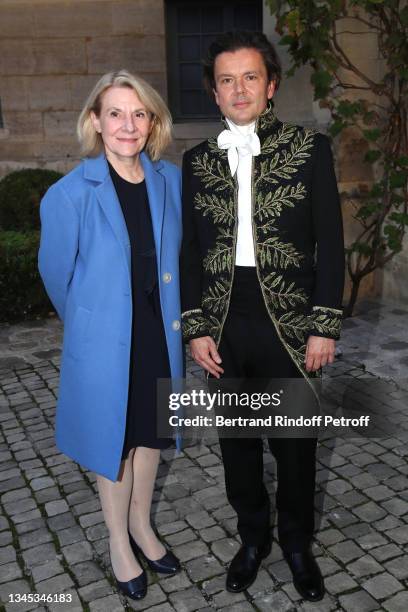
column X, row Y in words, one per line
column 53, row 51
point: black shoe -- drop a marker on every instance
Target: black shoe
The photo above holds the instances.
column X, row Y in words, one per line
column 307, row 578
column 168, row 564
column 243, row 569
column 135, row 588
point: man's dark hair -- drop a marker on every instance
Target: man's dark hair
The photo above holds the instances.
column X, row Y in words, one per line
column 242, row 39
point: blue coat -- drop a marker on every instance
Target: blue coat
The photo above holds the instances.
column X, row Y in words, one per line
column 84, row 261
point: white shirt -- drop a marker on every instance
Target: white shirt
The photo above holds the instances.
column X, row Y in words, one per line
column 245, row 252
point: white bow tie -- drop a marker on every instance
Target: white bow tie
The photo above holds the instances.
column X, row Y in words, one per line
column 248, row 144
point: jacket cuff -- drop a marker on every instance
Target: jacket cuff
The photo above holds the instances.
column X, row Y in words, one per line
column 194, row 324
column 326, row 322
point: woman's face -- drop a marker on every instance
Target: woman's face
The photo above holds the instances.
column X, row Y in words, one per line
column 124, row 123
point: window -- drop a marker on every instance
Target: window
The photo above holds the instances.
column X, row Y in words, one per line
column 190, row 28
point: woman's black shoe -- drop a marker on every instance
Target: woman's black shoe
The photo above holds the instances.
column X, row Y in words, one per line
column 135, row 588
column 168, row 564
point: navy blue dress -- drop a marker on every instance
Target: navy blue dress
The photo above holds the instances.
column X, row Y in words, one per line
column 149, row 356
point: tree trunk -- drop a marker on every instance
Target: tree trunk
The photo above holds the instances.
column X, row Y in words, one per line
column 348, row 311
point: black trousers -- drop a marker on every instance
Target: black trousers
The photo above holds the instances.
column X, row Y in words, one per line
column 251, row 348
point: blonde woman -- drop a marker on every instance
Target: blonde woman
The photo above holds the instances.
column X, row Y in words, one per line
column 109, row 260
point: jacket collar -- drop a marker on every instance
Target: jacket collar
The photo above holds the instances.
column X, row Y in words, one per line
column 266, row 123
column 96, row 169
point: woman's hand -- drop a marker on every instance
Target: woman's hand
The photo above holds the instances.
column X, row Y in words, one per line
column 319, row 352
column 205, row 354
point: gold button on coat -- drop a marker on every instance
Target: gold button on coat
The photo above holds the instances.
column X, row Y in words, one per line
column 176, row 325
column 166, row 277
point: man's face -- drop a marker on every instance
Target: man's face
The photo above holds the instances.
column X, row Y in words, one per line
column 242, row 89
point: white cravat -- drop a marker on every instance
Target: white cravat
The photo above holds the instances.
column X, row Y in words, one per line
column 239, row 141
column 242, row 144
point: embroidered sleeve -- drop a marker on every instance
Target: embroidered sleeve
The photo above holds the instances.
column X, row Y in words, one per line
column 326, row 322
column 194, row 324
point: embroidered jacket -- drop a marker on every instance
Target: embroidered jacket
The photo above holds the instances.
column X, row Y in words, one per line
column 297, row 230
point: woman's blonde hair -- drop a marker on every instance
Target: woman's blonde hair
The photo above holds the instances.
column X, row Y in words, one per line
column 160, row 136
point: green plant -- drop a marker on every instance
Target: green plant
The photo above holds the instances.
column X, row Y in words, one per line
column 314, row 33
column 22, row 294
column 20, row 195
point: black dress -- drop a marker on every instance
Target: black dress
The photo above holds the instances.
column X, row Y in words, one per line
column 148, row 356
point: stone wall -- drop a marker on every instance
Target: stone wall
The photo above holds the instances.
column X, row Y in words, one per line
column 52, row 52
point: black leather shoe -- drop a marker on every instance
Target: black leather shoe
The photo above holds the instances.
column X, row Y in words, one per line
column 135, row 588
column 243, row 569
column 307, row 578
column 168, row 564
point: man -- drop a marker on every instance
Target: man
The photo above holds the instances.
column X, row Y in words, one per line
column 262, row 273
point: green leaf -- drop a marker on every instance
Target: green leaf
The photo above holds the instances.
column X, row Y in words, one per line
column 336, row 127
column 404, row 15
column 321, row 79
column 286, row 40
column 372, row 135
column 398, row 179
column 403, row 72
column 401, row 218
column 372, row 156
column 348, row 109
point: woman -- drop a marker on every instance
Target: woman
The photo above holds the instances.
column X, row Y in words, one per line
column 108, row 257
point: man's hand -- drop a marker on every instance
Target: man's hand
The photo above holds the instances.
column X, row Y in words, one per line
column 204, row 352
column 319, row 352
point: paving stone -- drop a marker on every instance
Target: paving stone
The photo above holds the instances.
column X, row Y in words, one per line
column 42, row 536
column 382, row 586
column 6, row 537
column 340, row 583
column 399, row 535
column 398, row 567
column 75, row 553
column 95, row 590
column 191, row 550
column 280, row 571
column 225, row 549
column 87, row 520
column 274, row 601
column 181, row 537
column 203, row 568
column 382, row 553
column 212, row 534
column 15, row 495
column 365, row 566
column 55, row 508
column 199, row 520
column 371, row 540
column 359, row 601
column 398, row 603
column 46, row 570
column 175, row 583
column 346, row 551
column 61, row 521
column 224, row 600
column 26, row 517
column 10, row 571
column 70, row 535
column 73, row 605
column 395, row 506
column 188, row 600
column 370, row 512
column 7, row 554
column 111, row 603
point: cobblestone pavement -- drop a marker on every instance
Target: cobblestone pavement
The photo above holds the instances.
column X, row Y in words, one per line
column 52, row 536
